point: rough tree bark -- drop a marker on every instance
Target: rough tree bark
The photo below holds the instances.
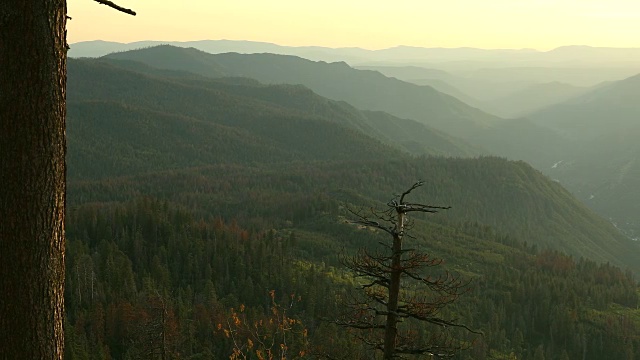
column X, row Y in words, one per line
column 33, row 57
column 33, row 77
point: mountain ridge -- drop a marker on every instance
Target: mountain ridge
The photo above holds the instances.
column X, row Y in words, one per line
column 362, row 89
column 97, row 48
column 143, row 140
column 236, row 94
column 602, row 166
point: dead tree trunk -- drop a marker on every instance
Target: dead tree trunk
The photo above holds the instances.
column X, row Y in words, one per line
column 385, row 304
column 391, row 327
column 33, row 57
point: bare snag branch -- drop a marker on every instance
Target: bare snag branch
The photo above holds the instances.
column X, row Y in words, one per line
column 386, row 309
column 413, row 187
column 116, row 6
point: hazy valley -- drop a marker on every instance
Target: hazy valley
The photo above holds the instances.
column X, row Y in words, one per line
column 203, row 179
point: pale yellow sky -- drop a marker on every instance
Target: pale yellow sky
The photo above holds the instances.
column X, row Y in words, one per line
column 372, row 24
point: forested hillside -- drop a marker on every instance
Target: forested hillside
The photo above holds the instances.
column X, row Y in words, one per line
column 241, row 112
column 148, row 278
column 487, row 134
column 512, row 197
column 368, row 90
column 192, row 199
column 601, row 167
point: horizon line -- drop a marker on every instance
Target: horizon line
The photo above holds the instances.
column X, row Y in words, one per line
column 362, row 48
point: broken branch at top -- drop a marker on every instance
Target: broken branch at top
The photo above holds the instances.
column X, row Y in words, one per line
column 116, row 6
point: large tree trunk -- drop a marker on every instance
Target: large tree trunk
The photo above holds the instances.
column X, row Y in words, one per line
column 32, row 169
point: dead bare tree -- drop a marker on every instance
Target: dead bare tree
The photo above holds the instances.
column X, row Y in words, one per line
column 387, row 309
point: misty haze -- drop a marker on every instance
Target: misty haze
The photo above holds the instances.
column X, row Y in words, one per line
column 349, row 180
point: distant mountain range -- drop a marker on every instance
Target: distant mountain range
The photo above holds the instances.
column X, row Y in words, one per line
column 143, row 126
column 364, row 89
column 586, row 138
column 575, row 65
column 609, row 108
column 525, row 57
column 368, row 90
column 545, row 137
column 485, row 79
column 532, row 98
column 211, row 191
column 509, row 92
column 234, row 111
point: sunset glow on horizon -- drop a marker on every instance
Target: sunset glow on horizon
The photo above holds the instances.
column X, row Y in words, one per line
column 542, row 24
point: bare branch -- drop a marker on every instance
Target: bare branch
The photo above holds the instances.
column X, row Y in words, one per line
column 116, row 6
column 408, row 207
column 365, row 221
column 384, row 304
column 413, row 187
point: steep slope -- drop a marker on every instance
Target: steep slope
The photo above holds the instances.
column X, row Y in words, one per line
column 447, row 88
column 409, row 135
column 363, row 89
column 510, row 196
column 475, row 91
column 156, row 124
column 186, row 139
column 141, row 140
column 521, row 297
column 606, row 109
column 407, row 73
column 416, row 138
column 119, row 78
column 437, row 79
column 606, row 176
column 515, row 140
column 602, row 165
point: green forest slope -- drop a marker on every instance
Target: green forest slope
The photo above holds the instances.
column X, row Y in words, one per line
column 233, row 108
column 139, row 124
column 191, row 199
column 602, row 167
column 362, row 88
